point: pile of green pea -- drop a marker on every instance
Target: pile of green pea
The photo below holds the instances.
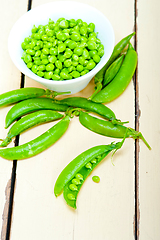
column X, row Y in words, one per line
column 62, row 50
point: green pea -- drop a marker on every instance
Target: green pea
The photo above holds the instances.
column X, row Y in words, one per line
column 92, row 34
column 79, row 176
column 56, row 77
column 37, row 36
column 37, row 53
column 73, row 187
column 75, row 57
column 24, row 54
column 57, row 71
column 29, row 64
column 61, row 57
column 61, row 47
column 83, row 72
column 64, row 24
column 96, row 179
column 93, row 160
column 50, row 33
column 79, row 22
column 48, row 75
column 44, row 37
column 101, row 52
column 75, row 74
column 61, row 36
column 43, row 56
column 91, row 45
column 64, row 75
column 68, row 53
column 23, row 45
column 34, row 68
column 76, row 181
column 78, row 51
column 37, row 62
column 88, row 165
column 81, row 60
column 71, row 68
column 72, row 44
column 45, row 51
column 40, row 73
column 79, row 68
column 83, row 31
column 84, row 24
column 27, row 58
column 74, row 63
column 90, row 65
column 92, row 53
column 85, row 53
column 37, row 48
column 34, row 29
column 30, row 52
column 58, row 64
column 53, row 51
column 41, row 68
column 27, row 40
column 52, row 58
column 55, row 42
column 96, row 58
column 91, row 25
column 83, row 39
column 67, row 63
column 72, row 23
column 75, row 37
column 44, row 61
column 49, row 67
column 48, row 45
column 71, row 196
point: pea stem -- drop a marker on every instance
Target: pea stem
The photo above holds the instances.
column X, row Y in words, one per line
column 98, row 87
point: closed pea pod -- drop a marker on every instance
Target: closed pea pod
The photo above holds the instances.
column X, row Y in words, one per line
column 109, row 129
column 38, row 144
column 80, row 102
column 116, row 52
column 77, row 171
column 120, row 82
column 28, row 121
column 21, row 94
column 31, row 105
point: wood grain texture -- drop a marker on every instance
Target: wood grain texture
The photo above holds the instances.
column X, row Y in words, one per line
column 101, row 208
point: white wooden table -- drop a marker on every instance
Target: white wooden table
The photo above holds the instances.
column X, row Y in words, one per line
column 125, row 205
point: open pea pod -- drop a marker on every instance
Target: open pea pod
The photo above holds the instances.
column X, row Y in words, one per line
column 74, row 174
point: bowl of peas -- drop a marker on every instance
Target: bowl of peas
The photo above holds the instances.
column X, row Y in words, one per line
column 61, row 44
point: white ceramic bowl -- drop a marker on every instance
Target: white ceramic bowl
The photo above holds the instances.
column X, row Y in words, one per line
column 54, row 10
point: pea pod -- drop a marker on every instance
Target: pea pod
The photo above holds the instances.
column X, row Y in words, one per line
column 31, row 105
column 112, row 70
column 80, row 102
column 21, row 94
column 74, row 174
column 116, row 53
column 38, row 144
column 109, row 129
column 117, row 86
column 28, row 121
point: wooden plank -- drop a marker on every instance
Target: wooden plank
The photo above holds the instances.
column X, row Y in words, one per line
column 105, row 210
column 149, row 85
column 10, row 78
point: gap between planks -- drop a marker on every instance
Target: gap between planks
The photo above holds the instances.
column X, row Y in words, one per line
column 10, row 188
